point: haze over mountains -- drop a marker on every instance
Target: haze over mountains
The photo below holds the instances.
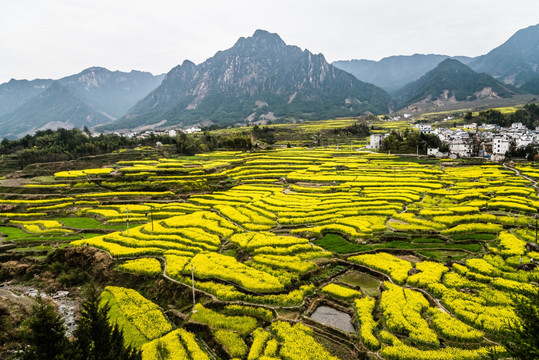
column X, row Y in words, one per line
column 94, row 96
column 515, row 62
column 263, row 79
column 393, row 72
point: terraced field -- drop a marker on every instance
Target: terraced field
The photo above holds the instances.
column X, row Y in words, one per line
column 426, row 258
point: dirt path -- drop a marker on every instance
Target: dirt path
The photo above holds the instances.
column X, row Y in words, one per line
column 518, row 173
column 18, row 182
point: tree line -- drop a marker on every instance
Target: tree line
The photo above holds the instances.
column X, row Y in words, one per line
column 528, row 116
column 72, row 144
column 410, row 142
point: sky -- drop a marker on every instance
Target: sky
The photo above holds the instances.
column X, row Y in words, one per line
column 57, row 38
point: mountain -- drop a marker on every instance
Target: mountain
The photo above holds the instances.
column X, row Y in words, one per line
column 111, row 92
column 92, row 97
column 531, row 86
column 16, row 92
column 514, row 62
column 451, row 81
column 56, row 107
column 259, row 78
column 392, row 73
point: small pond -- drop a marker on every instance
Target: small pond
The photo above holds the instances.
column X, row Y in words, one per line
column 334, row 318
column 368, row 283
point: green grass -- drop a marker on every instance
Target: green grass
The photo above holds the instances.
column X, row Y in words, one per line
column 336, row 243
column 427, row 240
column 50, row 238
column 16, row 234
column 13, row 233
column 443, row 255
column 87, row 223
column 327, row 273
column 410, row 246
column 89, row 235
column 477, row 237
column 32, row 249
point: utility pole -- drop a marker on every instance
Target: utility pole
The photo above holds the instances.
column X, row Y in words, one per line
column 536, row 228
column 127, row 219
column 151, row 215
column 193, row 286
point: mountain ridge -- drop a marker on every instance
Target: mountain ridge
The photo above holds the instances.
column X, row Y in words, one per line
column 112, row 92
column 56, row 107
column 94, row 96
column 393, row 72
column 259, row 78
column 15, row 93
column 514, row 62
column 451, row 81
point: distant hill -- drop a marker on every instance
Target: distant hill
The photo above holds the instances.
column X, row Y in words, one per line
column 452, row 81
column 514, row 62
column 111, row 92
column 392, row 73
column 531, row 86
column 262, row 79
column 259, row 78
column 56, row 107
column 15, row 93
column 94, row 96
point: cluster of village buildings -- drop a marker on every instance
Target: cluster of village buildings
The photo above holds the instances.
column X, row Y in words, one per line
column 471, row 140
column 148, row 133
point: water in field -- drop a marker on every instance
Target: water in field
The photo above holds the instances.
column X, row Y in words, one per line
column 368, row 283
column 334, row 318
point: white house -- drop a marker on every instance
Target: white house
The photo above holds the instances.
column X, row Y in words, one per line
column 472, row 126
column 460, row 148
column 424, row 128
column 518, row 126
column 376, row 141
column 191, row 130
column 523, row 141
column 500, row 145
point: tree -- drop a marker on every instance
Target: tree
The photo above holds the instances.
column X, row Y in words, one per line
column 522, row 335
column 46, row 334
column 265, row 134
column 410, row 142
column 96, row 339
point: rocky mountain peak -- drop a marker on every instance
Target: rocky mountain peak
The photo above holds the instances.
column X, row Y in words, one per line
column 261, row 41
column 230, row 87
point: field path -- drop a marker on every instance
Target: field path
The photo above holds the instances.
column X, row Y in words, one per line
column 215, row 299
column 517, row 173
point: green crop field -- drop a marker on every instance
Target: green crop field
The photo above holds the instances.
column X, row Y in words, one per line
column 289, row 230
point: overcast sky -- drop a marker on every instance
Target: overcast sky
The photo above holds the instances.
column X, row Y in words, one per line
column 56, row 38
